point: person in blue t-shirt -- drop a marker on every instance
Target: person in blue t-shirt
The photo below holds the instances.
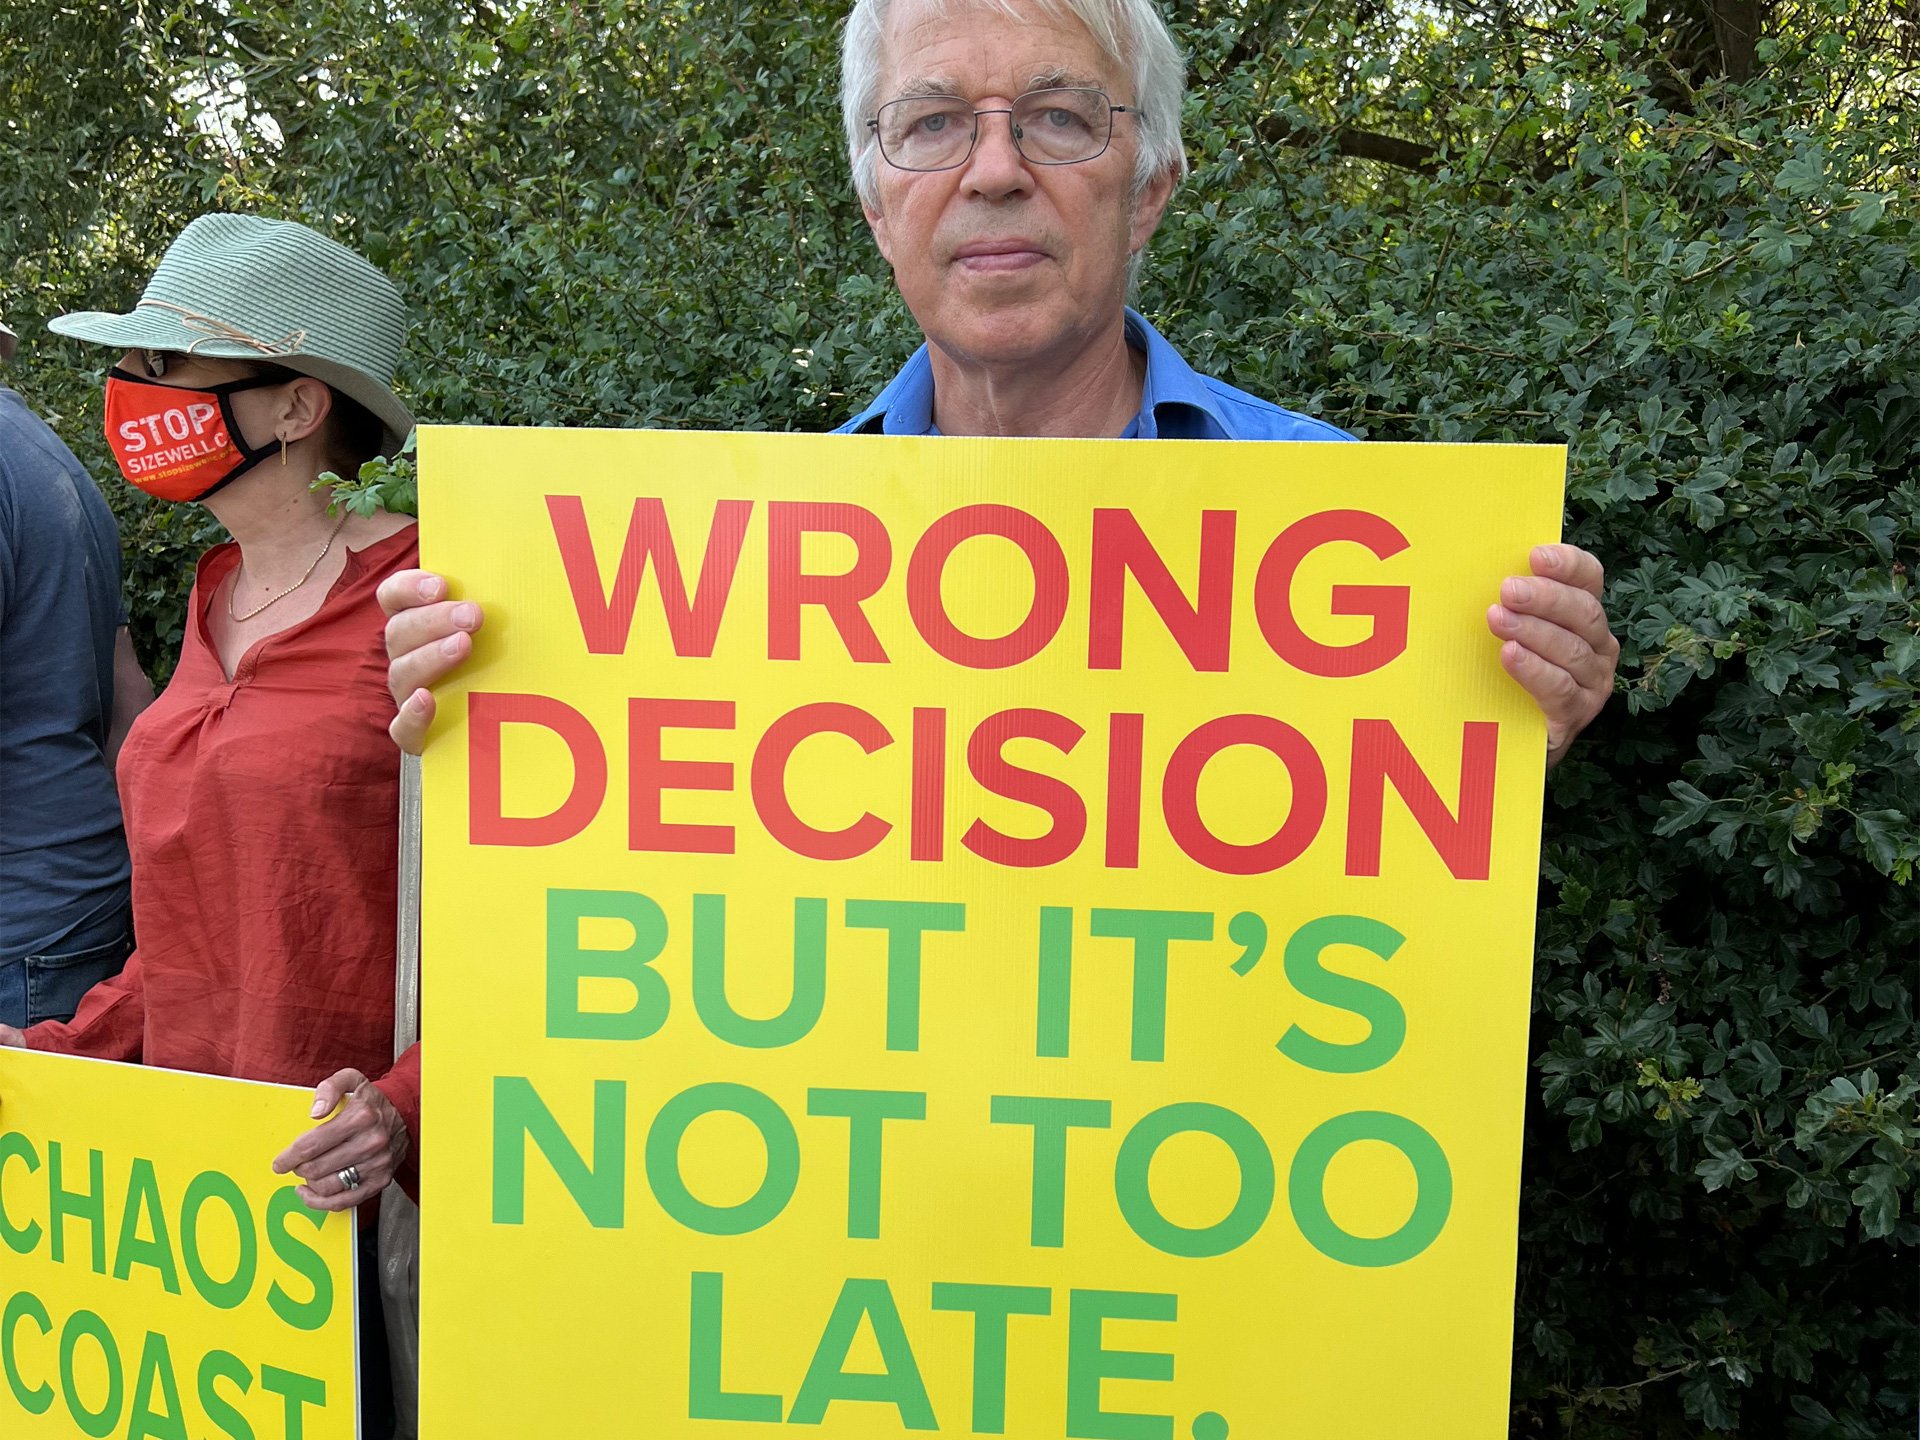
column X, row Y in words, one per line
column 1013, row 159
column 69, row 688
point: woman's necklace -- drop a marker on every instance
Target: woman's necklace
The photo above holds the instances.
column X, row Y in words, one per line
column 306, row 576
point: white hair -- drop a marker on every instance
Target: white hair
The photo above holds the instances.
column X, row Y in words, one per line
column 1130, row 33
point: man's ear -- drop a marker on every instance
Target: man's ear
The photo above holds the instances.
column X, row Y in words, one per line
column 877, row 223
column 303, row 409
column 1149, row 208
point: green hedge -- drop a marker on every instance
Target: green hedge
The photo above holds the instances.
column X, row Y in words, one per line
column 1690, row 258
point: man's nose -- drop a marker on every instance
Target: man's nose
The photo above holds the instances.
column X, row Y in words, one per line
column 996, row 168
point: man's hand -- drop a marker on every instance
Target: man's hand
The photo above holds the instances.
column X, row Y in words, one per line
column 12, row 1039
column 428, row 636
column 1558, row 645
column 368, row 1134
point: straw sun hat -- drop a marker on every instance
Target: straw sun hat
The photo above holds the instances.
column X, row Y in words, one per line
column 236, row 287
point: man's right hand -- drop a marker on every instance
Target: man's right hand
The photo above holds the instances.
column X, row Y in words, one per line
column 12, row 1039
column 428, row 637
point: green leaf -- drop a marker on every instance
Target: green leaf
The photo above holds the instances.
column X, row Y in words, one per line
column 1725, row 1166
column 1693, row 807
column 1885, row 835
column 1869, row 207
column 1805, row 174
column 1878, row 1198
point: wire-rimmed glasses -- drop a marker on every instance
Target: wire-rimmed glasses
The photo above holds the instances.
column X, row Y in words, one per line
column 1060, row 125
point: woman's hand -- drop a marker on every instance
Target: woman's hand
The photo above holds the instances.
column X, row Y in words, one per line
column 12, row 1039
column 428, row 636
column 367, row 1141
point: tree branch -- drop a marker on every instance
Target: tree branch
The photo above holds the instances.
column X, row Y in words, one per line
column 1356, row 144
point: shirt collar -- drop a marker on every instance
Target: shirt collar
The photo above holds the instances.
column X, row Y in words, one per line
column 1175, row 401
column 905, row 407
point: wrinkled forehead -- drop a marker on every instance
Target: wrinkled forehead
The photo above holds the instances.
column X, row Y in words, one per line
column 962, row 47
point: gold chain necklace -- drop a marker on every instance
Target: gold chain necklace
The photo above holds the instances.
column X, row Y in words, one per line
column 305, row 576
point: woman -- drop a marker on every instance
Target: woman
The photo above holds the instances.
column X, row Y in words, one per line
column 260, row 789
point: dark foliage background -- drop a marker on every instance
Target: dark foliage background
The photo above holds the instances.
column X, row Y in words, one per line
column 1676, row 235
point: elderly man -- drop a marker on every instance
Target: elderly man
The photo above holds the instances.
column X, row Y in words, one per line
column 1013, row 158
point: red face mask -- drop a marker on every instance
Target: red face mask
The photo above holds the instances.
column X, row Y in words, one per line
column 176, row 443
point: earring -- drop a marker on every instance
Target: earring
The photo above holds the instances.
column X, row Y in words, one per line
column 283, row 451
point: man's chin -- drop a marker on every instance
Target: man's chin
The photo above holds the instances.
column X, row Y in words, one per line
column 1010, row 333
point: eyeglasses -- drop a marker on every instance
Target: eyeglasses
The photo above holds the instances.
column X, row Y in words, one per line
column 155, row 362
column 1063, row 125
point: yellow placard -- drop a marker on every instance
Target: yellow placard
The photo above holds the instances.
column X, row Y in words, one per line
column 976, row 937
column 157, row 1280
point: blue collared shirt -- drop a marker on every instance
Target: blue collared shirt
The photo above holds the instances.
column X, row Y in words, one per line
column 1177, row 402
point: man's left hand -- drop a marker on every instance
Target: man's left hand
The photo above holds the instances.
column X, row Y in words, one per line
column 1558, row 645
column 367, row 1136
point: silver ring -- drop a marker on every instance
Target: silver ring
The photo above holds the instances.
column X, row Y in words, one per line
column 350, row 1177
